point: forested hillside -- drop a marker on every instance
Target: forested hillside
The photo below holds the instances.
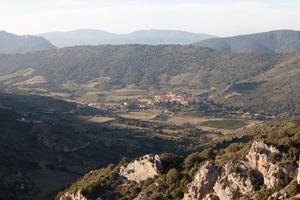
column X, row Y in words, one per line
column 261, row 82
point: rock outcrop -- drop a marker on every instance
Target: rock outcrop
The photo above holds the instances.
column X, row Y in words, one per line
column 73, row 196
column 203, row 182
column 260, row 157
column 240, row 178
column 278, row 196
column 211, row 197
column 141, row 169
column 233, row 180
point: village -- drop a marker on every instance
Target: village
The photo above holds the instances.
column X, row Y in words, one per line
column 183, row 99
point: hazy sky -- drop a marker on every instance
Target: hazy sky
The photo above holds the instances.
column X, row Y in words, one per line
column 218, row 17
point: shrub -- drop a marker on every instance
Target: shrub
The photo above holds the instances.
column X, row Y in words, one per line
column 193, row 159
column 172, row 176
column 169, row 161
column 293, row 189
column 256, row 179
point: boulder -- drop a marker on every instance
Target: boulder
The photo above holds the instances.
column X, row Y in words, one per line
column 203, row 182
column 141, row 169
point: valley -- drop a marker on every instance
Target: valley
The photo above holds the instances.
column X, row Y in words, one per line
column 63, row 137
column 60, row 140
column 73, row 125
column 67, row 112
column 253, row 82
column 150, row 100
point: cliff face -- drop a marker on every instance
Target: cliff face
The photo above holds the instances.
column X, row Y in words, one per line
column 225, row 183
column 203, row 182
column 264, row 158
column 242, row 178
column 233, row 180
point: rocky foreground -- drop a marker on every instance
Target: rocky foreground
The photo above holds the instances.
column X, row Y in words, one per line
column 234, row 180
column 257, row 163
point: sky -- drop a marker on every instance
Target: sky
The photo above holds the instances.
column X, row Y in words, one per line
column 216, row 17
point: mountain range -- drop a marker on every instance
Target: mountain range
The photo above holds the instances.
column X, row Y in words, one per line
column 97, row 37
column 278, row 41
column 11, row 43
column 281, row 41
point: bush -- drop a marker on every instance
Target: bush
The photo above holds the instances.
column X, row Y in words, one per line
column 172, row 176
column 293, row 189
column 282, row 181
column 256, row 179
column 169, row 161
column 176, row 194
column 274, row 157
column 193, row 159
column 263, row 194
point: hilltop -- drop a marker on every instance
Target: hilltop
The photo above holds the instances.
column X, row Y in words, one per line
column 281, row 41
column 12, row 44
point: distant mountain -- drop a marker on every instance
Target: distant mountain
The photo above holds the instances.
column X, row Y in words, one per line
column 97, row 37
column 166, row 37
column 11, row 43
column 259, row 82
column 282, row 41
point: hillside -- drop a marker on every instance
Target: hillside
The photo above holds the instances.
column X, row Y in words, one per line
column 12, row 44
column 257, row 163
column 260, row 82
column 282, row 41
column 97, row 37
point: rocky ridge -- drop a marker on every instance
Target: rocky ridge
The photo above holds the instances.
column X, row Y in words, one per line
column 203, row 183
column 241, row 178
column 261, row 168
column 141, row 169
